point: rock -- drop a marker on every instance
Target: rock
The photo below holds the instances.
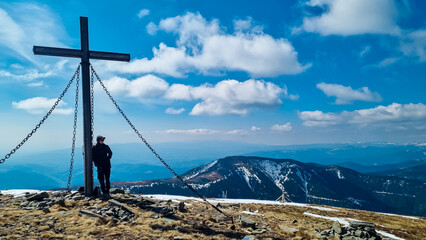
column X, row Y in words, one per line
column 91, row 214
column 181, row 207
column 37, row 196
column 219, row 218
column 288, row 229
column 294, row 221
column 361, row 224
column 60, row 202
column 116, row 191
column 247, row 222
column 121, row 206
column 337, row 227
column 46, row 210
column 168, row 220
column 81, row 190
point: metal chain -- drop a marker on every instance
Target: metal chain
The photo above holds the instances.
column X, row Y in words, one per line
column 77, row 72
column 74, row 131
column 92, row 99
column 152, row 150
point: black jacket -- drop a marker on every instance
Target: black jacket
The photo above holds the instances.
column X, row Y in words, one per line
column 102, row 155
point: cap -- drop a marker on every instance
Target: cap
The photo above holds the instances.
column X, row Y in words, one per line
column 99, row 138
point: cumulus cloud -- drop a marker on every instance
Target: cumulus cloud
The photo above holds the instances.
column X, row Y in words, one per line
column 254, row 128
column 228, row 96
column 353, row 17
column 148, row 86
column 40, row 105
column 346, row 95
column 282, row 128
column 394, row 113
column 171, row 110
column 143, row 12
column 204, row 46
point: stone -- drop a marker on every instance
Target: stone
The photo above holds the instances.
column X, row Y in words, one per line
column 37, row 196
column 46, row 210
column 121, row 206
column 60, row 202
column 181, row 207
column 247, row 222
column 337, row 227
column 91, row 214
column 168, row 220
column 116, row 191
column 294, row 221
column 362, row 224
column 219, row 218
column 288, row 229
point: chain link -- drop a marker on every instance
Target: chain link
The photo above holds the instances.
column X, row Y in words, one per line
column 74, row 131
column 77, row 72
column 152, row 150
column 92, row 100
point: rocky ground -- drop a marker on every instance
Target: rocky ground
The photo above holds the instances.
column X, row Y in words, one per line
column 62, row 215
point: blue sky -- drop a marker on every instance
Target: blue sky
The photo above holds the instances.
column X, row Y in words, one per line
column 270, row 72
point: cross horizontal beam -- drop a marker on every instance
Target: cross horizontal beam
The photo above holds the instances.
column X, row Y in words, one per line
column 77, row 53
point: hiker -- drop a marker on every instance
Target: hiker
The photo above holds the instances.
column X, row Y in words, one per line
column 102, row 158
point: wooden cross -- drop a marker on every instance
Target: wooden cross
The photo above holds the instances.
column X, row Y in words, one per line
column 85, row 54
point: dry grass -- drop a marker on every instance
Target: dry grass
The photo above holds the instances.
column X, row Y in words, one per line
column 197, row 223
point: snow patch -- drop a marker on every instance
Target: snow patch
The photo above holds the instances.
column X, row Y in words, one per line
column 19, row 192
column 247, row 175
column 251, row 213
column 383, row 233
column 203, row 169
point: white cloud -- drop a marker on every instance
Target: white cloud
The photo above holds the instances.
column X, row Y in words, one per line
column 395, row 113
column 143, row 12
column 237, row 132
column 346, row 95
column 353, row 17
column 36, row 84
column 151, row 28
column 254, row 128
column 171, row 110
column 387, row 61
column 228, row 96
column 148, row 86
column 414, row 44
column 203, row 46
column 24, row 25
column 283, row 128
column 41, row 105
column 365, row 51
column 199, row 131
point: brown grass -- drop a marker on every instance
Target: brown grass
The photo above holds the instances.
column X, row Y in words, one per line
column 197, row 223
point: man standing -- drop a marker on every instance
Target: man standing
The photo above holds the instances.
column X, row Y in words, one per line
column 102, row 158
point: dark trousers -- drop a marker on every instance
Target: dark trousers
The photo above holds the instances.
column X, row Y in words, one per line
column 103, row 176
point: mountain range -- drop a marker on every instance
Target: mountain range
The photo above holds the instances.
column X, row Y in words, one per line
column 254, row 177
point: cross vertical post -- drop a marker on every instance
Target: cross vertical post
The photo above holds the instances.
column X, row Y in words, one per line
column 87, row 108
column 85, row 54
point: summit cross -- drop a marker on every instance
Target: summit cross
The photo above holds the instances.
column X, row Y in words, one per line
column 85, row 54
